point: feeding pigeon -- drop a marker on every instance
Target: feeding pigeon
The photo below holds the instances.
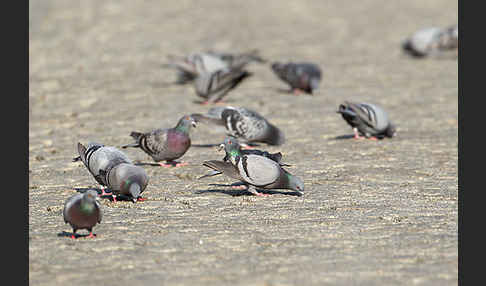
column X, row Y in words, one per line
column 113, row 169
column 166, row 144
column 191, row 66
column 367, row 119
column 432, row 41
column 257, row 171
column 213, row 86
column 232, row 148
column 82, row 211
column 302, row 77
column 245, row 124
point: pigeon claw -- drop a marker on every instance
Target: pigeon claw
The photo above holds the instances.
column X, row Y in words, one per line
column 262, row 195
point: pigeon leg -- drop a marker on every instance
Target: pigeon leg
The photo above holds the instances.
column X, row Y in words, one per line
column 103, row 192
column 373, row 138
column 356, row 134
column 297, row 91
column 245, row 146
column 140, row 199
column 169, row 164
column 91, row 235
column 239, row 186
column 254, row 191
column 73, row 236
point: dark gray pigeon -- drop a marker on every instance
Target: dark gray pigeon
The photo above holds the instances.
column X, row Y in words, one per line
column 245, row 124
column 432, row 41
column 166, row 144
column 189, row 67
column 232, row 147
column 302, row 77
column 111, row 168
column 257, row 171
column 213, row 86
column 367, row 119
column 82, row 211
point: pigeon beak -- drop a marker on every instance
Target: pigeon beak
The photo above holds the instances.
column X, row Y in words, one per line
column 134, row 200
column 220, row 147
column 194, row 124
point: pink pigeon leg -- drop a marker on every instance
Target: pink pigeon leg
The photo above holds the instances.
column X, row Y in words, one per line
column 356, row 134
column 173, row 164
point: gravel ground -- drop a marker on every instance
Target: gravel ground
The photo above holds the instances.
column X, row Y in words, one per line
column 374, row 213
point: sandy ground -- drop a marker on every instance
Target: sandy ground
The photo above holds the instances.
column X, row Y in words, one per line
column 374, row 213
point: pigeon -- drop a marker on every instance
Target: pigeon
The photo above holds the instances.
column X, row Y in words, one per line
column 257, row 171
column 367, row 119
column 432, row 41
column 245, row 124
column 166, row 144
column 236, row 59
column 232, row 147
column 82, row 211
column 111, row 168
column 213, row 86
column 302, row 77
column 191, row 66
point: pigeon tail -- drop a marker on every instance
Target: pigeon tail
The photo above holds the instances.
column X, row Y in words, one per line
column 276, row 136
column 137, row 136
column 206, row 119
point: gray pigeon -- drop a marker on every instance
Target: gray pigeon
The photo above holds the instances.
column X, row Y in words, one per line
column 232, row 147
column 245, row 124
column 257, row 172
column 367, row 119
column 189, row 67
column 111, row 168
column 432, row 41
column 302, row 77
column 213, row 86
column 166, row 144
column 82, row 211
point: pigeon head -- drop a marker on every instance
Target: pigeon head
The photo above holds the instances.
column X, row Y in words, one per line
column 88, row 201
column 278, row 68
column 231, row 146
column 296, row 184
column 391, row 130
column 314, row 85
column 186, row 123
column 90, row 196
column 346, row 112
column 134, row 180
